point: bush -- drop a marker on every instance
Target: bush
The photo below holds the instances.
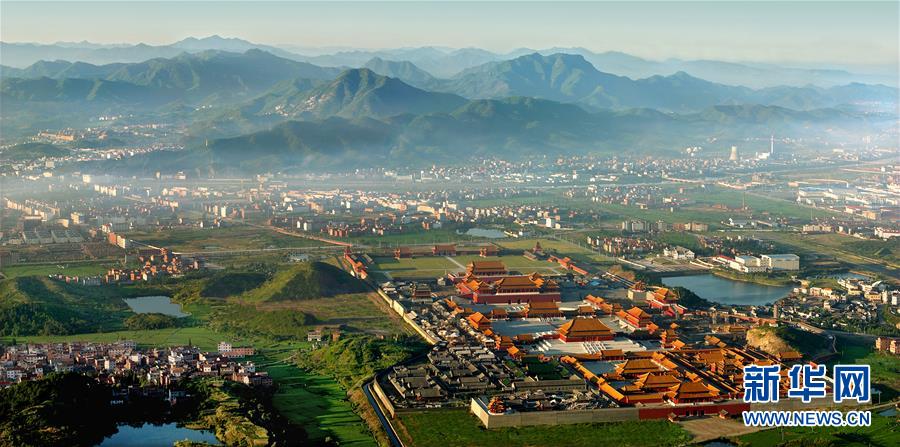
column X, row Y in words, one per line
column 150, row 321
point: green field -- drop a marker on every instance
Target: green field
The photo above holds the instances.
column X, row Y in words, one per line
column 757, row 202
column 201, row 337
column 70, row 269
column 313, row 401
column 434, row 266
column 412, row 236
column 421, row 267
column 884, row 431
column 442, row 428
column 237, row 237
column 573, row 245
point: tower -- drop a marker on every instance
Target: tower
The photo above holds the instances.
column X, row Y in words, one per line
column 772, row 145
column 734, row 154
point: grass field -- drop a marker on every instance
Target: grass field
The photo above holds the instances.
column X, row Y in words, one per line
column 757, row 202
column 413, row 236
column 356, row 311
column 237, row 237
column 316, row 402
column 421, row 267
column 884, row 431
column 201, row 337
column 441, row 428
column 572, row 246
column 434, row 266
column 71, row 269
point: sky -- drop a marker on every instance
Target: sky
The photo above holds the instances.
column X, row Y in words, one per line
column 805, row 32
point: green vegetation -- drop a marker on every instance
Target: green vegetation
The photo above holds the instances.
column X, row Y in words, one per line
column 353, row 358
column 279, row 324
column 32, row 151
column 202, row 337
column 224, row 285
column 884, row 431
column 304, row 280
column 234, row 237
column 70, row 269
column 440, row 428
column 241, row 415
column 885, row 366
column 41, row 306
column 138, row 322
column 313, row 401
column 690, row 299
column 63, row 409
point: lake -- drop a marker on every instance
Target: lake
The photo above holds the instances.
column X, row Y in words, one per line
column 728, row 291
column 149, row 435
column 486, row 232
column 156, row 305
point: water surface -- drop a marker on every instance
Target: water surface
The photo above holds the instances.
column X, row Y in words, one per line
column 155, row 304
column 728, row 291
column 149, row 435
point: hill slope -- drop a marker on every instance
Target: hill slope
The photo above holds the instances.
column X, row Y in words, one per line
column 305, row 280
column 362, row 92
column 40, row 306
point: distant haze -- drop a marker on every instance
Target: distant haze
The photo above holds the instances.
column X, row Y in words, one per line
column 836, row 34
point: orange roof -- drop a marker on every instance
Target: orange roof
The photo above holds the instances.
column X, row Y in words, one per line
column 651, row 380
column 479, row 318
column 638, row 312
column 582, row 327
column 637, row 366
column 692, row 390
column 543, row 305
column 612, row 353
column 487, row 265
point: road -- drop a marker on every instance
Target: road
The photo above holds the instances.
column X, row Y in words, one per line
column 385, row 423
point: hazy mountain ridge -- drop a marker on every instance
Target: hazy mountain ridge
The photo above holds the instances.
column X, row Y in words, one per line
column 513, row 127
column 447, row 62
column 403, row 70
column 571, row 78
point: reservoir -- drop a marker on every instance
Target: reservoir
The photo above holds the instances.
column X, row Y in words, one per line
column 728, row 291
column 155, row 304
column 149, row 435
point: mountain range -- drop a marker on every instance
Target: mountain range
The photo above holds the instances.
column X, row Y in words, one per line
column 447, row 62
column 256, row 110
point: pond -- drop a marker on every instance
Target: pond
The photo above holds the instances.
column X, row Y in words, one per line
column 149, row 435
column 486, row 232
column 155, row 304
column 728, row 291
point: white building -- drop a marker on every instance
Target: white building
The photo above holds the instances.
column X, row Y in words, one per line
column 678, row 253
column 787, row 261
